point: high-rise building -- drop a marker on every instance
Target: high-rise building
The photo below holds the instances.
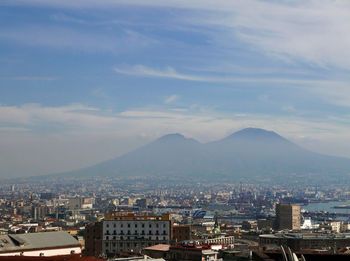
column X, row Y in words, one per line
column 93, row 239
column 288, row 216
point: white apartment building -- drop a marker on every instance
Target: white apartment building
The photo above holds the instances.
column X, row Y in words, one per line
column 133, row 233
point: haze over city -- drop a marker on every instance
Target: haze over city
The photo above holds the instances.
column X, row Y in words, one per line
column 82, row 82
column 173, row 130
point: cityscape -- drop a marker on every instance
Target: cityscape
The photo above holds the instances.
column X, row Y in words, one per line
column 173, row 130
column 129, row 218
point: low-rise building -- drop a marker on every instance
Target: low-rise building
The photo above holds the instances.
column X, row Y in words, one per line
column 192, row 252
column 39, row 244
column 306, row 241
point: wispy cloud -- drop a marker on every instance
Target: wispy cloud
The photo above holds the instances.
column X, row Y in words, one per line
column 84, row 118
column 61, row 37
column 168, row 72
column 301, row 30
column 332, row 92
column 171, row 99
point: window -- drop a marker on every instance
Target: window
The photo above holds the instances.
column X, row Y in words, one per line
column 150, row 225
column 143, row 225
column 135, row 225
column 128, row 225
column 107, row 225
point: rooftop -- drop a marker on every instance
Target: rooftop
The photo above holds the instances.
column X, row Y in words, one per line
column 42, row 240
column 159, row 247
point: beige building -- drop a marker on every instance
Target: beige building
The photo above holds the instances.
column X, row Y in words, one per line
column 288, row 216
column 131, row 232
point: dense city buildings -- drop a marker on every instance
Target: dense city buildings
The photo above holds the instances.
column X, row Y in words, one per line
column 130, row 218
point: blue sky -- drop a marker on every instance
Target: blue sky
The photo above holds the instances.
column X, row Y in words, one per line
column 83, row 81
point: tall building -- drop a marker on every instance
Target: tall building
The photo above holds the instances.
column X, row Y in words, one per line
column 181, row 233
column 288, row 216
column 93, row 239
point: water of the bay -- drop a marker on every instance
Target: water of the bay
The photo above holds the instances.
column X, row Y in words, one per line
column 328, row 206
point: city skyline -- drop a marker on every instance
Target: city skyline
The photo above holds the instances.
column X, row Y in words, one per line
column 83, row 82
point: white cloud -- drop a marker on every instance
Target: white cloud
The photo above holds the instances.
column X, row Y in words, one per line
column 171, row 99
column 311, row 31
column 332, row 92
column 36, row 139
column 168, row 72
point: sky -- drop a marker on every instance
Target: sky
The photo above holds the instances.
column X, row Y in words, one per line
column 88, row 80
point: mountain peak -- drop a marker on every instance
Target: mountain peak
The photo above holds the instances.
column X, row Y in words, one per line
column 175, row 137
column 256, row 134
column 172, row 136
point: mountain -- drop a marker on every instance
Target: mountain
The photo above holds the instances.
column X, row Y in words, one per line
column 248, row 155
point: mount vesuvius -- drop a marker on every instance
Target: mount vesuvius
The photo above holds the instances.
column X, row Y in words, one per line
column 250, row 155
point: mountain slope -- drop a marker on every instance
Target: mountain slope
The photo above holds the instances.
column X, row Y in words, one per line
column 264, row 153
column 168, row 155
column 250, row 154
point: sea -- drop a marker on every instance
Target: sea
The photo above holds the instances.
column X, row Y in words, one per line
column 328, row 207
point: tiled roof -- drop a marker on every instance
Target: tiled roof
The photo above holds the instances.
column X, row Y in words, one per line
column 159, row 247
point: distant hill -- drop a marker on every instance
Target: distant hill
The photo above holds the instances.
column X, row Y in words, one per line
column 250, row 155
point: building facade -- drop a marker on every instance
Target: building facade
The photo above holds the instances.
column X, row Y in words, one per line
column 181, row 233
column 288, row 216
column 134, row 232
column 93, row 239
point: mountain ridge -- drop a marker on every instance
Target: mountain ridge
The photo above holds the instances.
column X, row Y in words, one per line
column 251, row 154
